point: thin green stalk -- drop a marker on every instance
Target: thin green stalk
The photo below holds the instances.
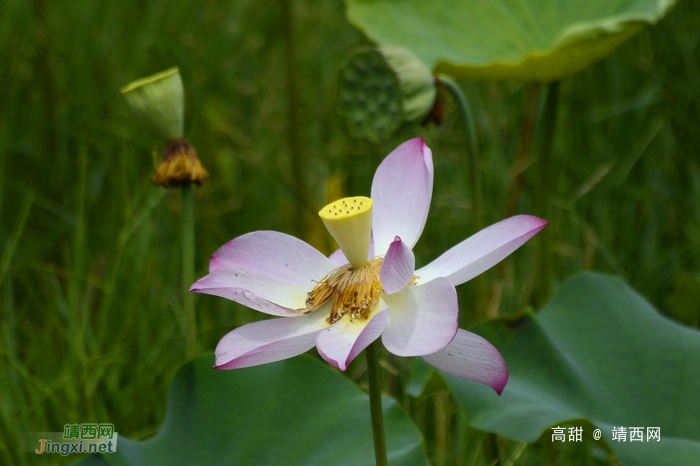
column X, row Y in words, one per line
column 188, row 270
column 16, row 234
column 545, row 188
column 475, row 454
column 469, row 127
column 375, row 403
column 293, row 127
column 519, row 449
column 45, row 76
column 134, row 221
column 17, row 395
column 520, row 166
column 10, row 325
column 76, row 321
column 442, row 427
column 527, row 136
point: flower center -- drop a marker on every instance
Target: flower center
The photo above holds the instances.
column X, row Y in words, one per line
column 354, row 291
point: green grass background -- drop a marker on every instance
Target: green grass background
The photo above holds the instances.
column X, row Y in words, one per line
column 90, row 292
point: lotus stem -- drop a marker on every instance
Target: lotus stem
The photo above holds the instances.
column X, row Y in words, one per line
column 188, row 270
column 469, row 127
column 375, row 403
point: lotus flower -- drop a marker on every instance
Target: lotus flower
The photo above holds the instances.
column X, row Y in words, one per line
column 369, row 287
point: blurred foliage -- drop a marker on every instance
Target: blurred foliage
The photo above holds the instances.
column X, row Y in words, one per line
column 91, row 321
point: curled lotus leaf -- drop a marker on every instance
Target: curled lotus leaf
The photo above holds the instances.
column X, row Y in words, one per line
column 506, row 40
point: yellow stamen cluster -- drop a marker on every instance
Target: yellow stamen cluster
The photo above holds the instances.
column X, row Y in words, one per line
column 354, row 291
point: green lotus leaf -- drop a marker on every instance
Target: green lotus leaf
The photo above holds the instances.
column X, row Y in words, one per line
column 598, row 351
column 293, row 412
column 506, row 40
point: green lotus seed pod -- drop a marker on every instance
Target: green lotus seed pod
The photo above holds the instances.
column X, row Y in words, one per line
column 381, row 89
column 418, row 89
column 368, row 97
column 159, row 101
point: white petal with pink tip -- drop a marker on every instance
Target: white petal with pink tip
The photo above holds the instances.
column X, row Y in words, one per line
column 398, row 267
column 344, row 340
column 401, row 191
column 422, row 319
column 256, row 291
column 270, row 340
column 275, row 255
column 472, row 357
column 483, row 250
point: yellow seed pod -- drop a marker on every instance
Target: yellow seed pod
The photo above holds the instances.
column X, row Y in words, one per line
column 349, row 221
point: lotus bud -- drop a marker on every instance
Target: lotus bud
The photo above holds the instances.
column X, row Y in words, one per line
column 381, row 89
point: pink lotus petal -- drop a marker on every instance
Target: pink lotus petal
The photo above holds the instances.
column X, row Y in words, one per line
column 471, row 357
column 270, row 340
column 338, row 257
column 483, row 250
column 340, row 343
column 401, row 191
column 255, row 291
column 280, row 257
column 422, row 319
column 398, row 267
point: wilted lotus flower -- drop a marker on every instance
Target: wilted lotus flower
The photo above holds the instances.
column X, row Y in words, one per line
column 159, row 101
column 367, row 288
